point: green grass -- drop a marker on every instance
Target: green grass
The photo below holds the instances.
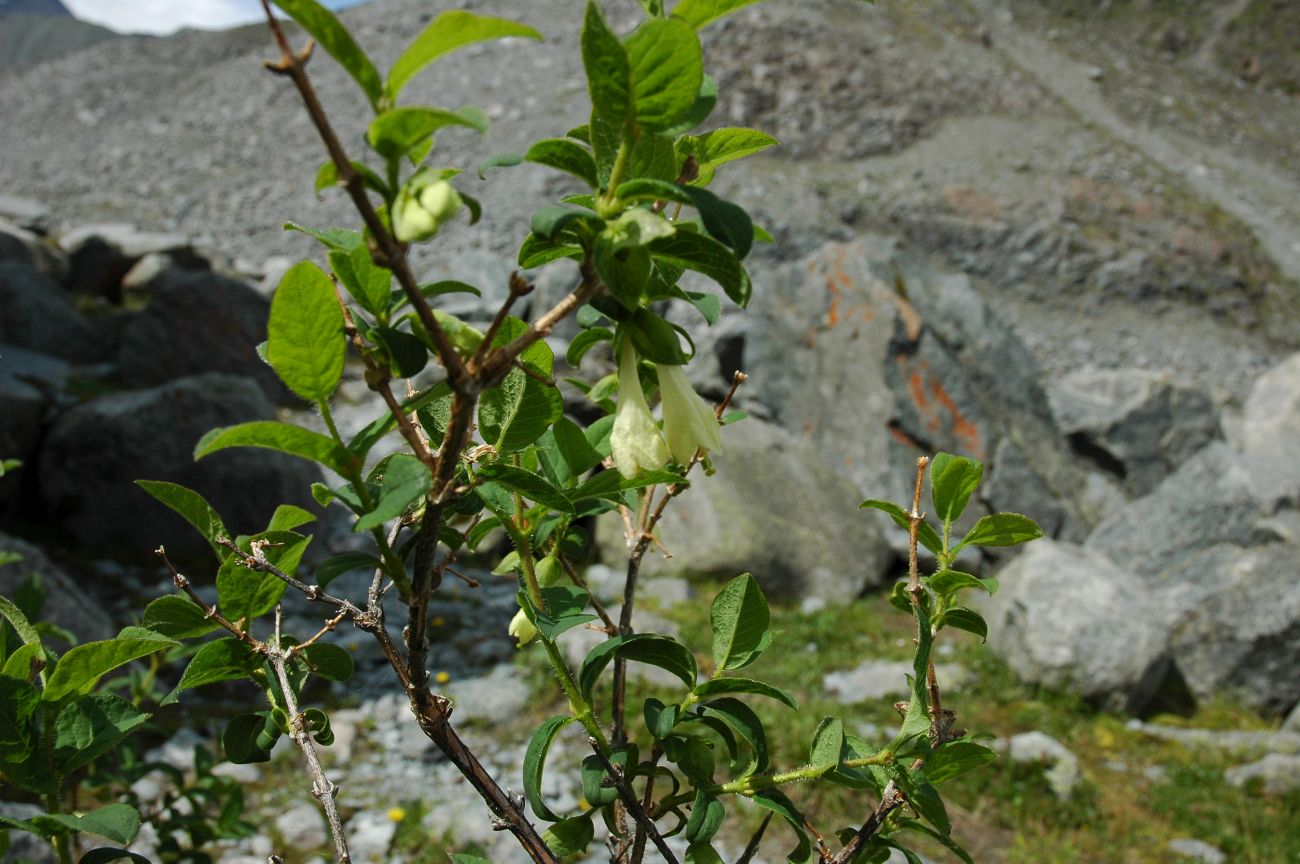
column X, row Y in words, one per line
column 1137, row 793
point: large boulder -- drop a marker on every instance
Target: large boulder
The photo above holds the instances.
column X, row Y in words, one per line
column 877, row 358
column 21, row 246
column 1244, row 638
column 66, row 604
column 1137, row 424
column 1211, row 499
column 1268, row 432
column 1066, row 616
column 775, row 508
column 198, row 322
column 30, row 385
column 101, row 255
column 35, row 313
column 95, row 452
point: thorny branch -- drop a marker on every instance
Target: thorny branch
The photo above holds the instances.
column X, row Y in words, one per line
column 633, row 806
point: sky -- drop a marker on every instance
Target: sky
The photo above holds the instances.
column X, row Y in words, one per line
column 167, row 16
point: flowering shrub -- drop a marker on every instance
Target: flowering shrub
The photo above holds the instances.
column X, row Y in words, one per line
column 489, row 448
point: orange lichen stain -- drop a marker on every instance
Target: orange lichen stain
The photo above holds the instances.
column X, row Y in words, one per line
column 833, row 312
column 962, row 429
column 969, row 201
column 912, row 322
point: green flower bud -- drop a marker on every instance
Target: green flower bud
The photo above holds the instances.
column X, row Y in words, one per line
column 422, row 208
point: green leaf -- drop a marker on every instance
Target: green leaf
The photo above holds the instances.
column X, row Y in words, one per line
column 725, row 221
column 721, row 146
column 952, row 480
column 225, row 659
column 564, row 609
column 969, row 620
column 567, row 452
column 329, row 661
column 775, row 801
column 745, row 723
column 464, row 858
column 328, row 175
column 190, row 506
column 707, row 256
column 925, row 799
column 702, row 853
column 705, row 98
column 535, row 762
column 335, row 38
column 80, row 669
column 90, row 727
column 369, row 284
column 408, row 354
column 398, row 131
column 406, row 481
column 19, row 663
column 926, row 535
column 448, row 32
column 535, row 252
column 105, row 854
column 119, row 822
column 18, row 703
column 1000, row 529
column 516, row 413
column 913, row 738
column 531, row 486
column 335, row 567
column 564, row 154
column 245, row 593
column 662, row 651
column 740, row 621
column 273, row 435
column 610, row 484
column 956, row 758
column 332, row 238
column 609, row 82
column 572, row 836
column 305, row 342
column 701, row 13
column 249, row 738
column 667, row 69
column 659, row 718
column 725, row 686
column 871, row 777
column 548, row 222
column 827, row 743
column 952, row 581
column 707, row 814
column 318, row 725
column 177, row 617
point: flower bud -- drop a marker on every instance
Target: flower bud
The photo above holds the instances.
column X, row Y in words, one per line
column 422, row 208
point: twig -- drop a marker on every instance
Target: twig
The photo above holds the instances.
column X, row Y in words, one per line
column 328, row 628
column 209, row 612
column 519, row 287
column 889, row 802
column 610, row 627
column 322, row 789
column 498, row 362
column 256, row 560
column 633, row 806
column 751, row 848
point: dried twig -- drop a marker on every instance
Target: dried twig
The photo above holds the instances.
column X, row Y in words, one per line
column 209, row 612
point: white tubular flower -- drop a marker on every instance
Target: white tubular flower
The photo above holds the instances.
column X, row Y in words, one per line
column 522, row 629
column 635, row 440
column 689, row 422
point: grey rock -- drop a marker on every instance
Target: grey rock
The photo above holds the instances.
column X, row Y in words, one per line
column 1269, row 430
column 95, row 452
column 1237, row 741
column 876, row 679
column 1137, row 424
column 24, row 212
column 1197, row 850
column 25, row 247
column 1067, row 616
column 495, row 697
column 302, row 827
column 1063, row 774
column 369, row 836
column 1277, row 773
column 145, row 274
column 24, row 846
column 1244, row 638
column 67, row 604
column 1211, row 499
column 35, row 313
column 775, row 508
column 199, row 322
column 101, row 255
column 30, row 385
column 1292, row 722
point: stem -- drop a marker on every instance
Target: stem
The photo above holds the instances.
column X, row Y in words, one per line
column 321, row 788
column 633, row 806
column 61, row 842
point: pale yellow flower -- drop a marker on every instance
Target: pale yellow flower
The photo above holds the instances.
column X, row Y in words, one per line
column 635, row 441
column 689, row 422
column 522, row 629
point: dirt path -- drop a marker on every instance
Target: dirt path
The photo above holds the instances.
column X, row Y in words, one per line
column 1261, row 197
